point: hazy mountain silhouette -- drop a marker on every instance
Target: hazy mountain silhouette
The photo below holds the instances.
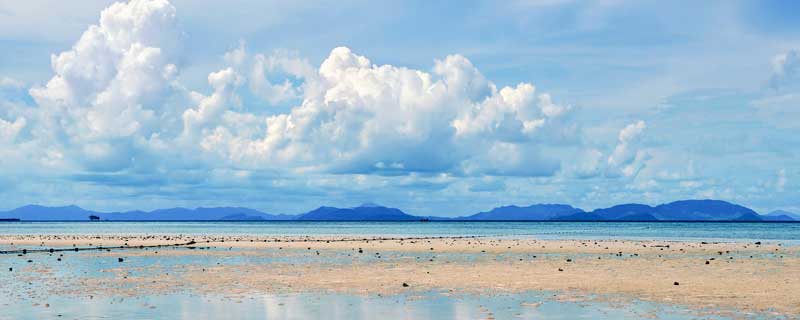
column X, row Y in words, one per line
column 73, row 213
column 370, row 212
column 781, row 215
column 532, row 212
column 685, row 210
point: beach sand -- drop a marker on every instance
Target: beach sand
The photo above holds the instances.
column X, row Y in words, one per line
column 737, row 276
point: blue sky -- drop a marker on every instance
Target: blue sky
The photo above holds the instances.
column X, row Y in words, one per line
column 442, row 108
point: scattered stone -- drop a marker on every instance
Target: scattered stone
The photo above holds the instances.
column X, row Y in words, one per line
column 676, row 283
column 405, row 284
column 120, row 260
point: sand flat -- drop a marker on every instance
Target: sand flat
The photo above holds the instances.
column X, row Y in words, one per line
column 727, row 275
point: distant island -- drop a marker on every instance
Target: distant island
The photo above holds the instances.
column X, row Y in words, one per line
column 684, row 210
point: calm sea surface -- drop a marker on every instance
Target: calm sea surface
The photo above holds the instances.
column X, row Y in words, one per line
column 786, row 232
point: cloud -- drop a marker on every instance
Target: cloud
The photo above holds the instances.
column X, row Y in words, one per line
column 12, row 91
column 626, row 159
column 10, row 83
column 782, row 102
column 780, row 182
column 105, row 101
column 785, row 69
column 115, row 104
column 10, row 130
column 280, row 62
column 357, row 117
column 261, row 69
column 210, row 108
column 589, row 164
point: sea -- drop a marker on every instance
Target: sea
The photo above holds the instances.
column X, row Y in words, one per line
column 788, row 233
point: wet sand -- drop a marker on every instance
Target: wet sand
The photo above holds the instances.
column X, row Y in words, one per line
column 739, row 276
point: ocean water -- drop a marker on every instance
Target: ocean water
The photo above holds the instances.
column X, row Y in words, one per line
column 788, row 233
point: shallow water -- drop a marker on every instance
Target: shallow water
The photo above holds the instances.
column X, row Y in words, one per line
column 427, row 305
column 26, row 294
column 705, row 231
column 42, row 287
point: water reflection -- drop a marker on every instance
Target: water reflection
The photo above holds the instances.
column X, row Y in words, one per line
column 429, row 305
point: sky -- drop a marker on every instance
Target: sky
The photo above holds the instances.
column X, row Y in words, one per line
column 435, row 107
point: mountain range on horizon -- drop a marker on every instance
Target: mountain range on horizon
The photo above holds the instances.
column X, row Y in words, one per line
column 684, row 210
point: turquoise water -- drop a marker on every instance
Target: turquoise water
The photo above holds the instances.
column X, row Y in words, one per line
column 785, row 232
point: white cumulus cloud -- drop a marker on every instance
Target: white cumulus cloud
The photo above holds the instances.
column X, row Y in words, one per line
column 107, row 95
column 357, row 117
